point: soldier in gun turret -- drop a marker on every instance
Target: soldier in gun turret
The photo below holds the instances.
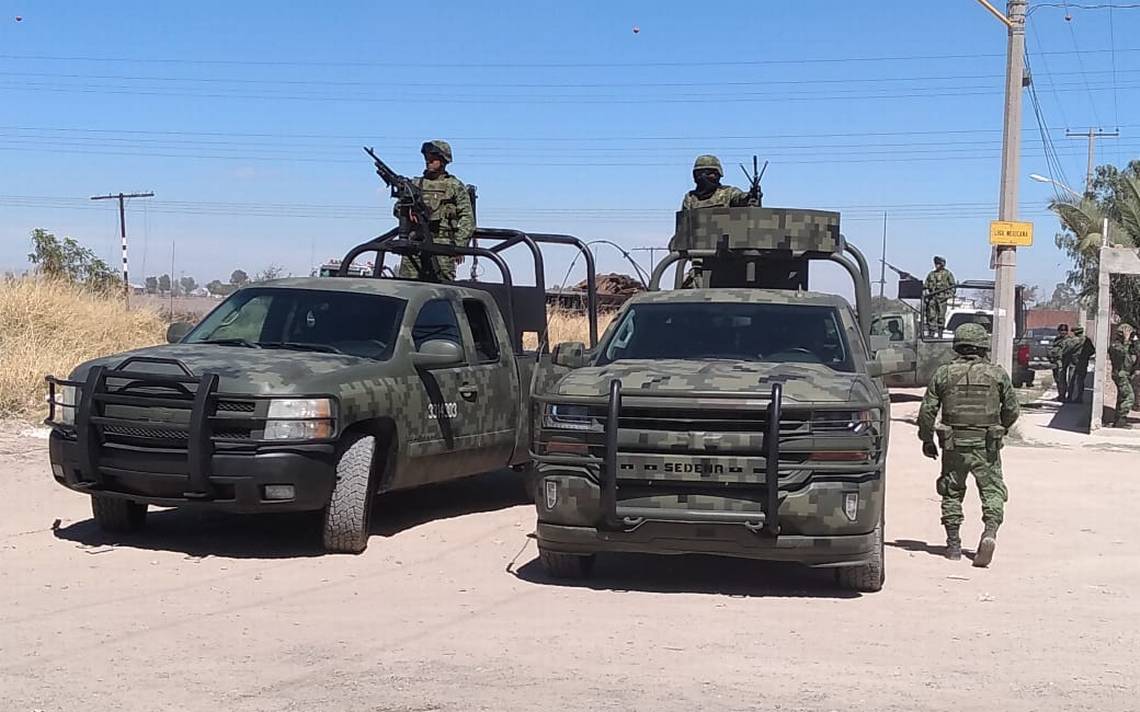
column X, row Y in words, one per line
column 939, row 288
column 709, row 193
column 452, row 218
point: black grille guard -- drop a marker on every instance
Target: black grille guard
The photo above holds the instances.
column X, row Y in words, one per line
column 199, row 395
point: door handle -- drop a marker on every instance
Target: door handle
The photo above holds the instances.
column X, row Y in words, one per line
column 469, row 392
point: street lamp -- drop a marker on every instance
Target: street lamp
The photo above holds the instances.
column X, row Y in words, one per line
column 1042, row 179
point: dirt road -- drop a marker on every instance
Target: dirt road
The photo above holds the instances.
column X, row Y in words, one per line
column 229, row 613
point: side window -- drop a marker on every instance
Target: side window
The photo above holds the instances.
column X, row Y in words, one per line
column 486, row 345
column 436, row 320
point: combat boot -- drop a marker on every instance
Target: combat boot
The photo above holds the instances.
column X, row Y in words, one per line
column 953, row 544
column 986, row 546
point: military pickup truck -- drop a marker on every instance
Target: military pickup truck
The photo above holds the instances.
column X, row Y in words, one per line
column 746, row 417
column 905, row 329
column 313, row 394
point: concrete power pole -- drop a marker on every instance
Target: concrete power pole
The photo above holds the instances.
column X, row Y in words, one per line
column 1005, row 258
column 122, row 197
column 1091, row 135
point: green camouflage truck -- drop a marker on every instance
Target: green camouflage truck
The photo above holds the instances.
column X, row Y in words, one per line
column 313, row 394
column 905, row 329
column 746, row 417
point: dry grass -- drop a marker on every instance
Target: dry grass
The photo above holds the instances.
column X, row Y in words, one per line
column 49, row 327
column 568, row 325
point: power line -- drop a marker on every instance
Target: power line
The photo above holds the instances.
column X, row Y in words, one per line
column 533, row 65
column 1081, row 65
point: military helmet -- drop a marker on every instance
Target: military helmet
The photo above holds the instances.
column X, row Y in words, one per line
column 972, row 335
column 1119, row 330
column 1079, row 331
column 939, row 260
column 437, row 146
column 708, row 161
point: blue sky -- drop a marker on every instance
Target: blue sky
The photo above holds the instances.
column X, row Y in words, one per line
column 246, row 119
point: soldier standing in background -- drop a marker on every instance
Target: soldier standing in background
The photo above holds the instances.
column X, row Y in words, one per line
column 978, row 407
column 1077, row 351
column 939, row 287
column 1060, row 373
column 1123, row 360
column 452, row 218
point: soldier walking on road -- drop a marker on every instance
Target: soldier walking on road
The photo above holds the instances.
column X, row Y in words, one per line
column 1123, row 363
column 939, row 287
column 452, row 218
column 1076, row 352
column 978, row 407
column 1060, row 373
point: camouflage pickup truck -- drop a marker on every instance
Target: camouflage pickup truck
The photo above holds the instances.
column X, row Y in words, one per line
column 746, row 417
column 312, row 394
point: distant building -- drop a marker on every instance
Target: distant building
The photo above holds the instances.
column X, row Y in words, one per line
column 1039, row 318
column 332, row 267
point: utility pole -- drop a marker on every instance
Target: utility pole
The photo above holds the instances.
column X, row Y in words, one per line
column 122, row 198
column 1004, row 259
column 652, row 254
column 883, row 261
column 1091, row 135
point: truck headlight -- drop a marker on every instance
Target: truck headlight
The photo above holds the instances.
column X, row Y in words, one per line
column 299, row 419
column 855, row 422
column 63, row 405
column 570, row 417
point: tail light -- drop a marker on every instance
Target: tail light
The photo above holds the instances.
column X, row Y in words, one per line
column 1023, row 355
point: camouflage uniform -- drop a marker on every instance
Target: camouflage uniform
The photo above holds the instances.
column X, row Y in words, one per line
column 940, row 286
column 725, row 196
column 1060, row 372
column 1123, row 363
column 452, row 219
column 978, row 406
column 1075, row 353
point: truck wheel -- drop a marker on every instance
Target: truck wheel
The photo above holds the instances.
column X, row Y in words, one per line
column 868, row 577
column 566, row 566
column 350, row 505
column 117, row 515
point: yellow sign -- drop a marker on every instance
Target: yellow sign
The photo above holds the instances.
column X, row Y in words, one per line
column 1011, row 234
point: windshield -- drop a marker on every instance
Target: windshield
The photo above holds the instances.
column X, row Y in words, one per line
column 740, row 332
column 352, row 323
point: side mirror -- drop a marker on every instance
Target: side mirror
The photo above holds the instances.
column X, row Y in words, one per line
column 437, row 353
column 878, row 342
column 886, row 362
column 177, row 331
column 571, row 354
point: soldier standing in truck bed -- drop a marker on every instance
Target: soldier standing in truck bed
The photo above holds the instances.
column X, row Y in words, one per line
column 939, row 288
column 452, row 218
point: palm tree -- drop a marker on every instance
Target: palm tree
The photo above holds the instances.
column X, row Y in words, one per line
column 1117, row 201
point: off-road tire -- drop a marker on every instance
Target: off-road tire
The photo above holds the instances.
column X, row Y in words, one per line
column 566, row 566
column 120, row 516
column 349, row 509
column 868, row 577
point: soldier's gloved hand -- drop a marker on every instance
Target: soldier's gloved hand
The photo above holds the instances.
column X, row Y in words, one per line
column 930, row 450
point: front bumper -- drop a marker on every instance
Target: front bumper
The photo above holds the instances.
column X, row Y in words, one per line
column 774, row 489
column 718, row 539
column 236, row 481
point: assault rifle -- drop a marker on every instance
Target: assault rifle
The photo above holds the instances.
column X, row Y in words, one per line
column 412, row 212
column 754, row 179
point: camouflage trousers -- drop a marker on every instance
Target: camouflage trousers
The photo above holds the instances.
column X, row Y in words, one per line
column 935, row 316
column 445, row 266
column 985, row 464
column 1124, row 395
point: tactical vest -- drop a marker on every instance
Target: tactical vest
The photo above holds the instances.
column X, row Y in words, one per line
column 439, row 196
column 973, row 395
column 720, row 198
